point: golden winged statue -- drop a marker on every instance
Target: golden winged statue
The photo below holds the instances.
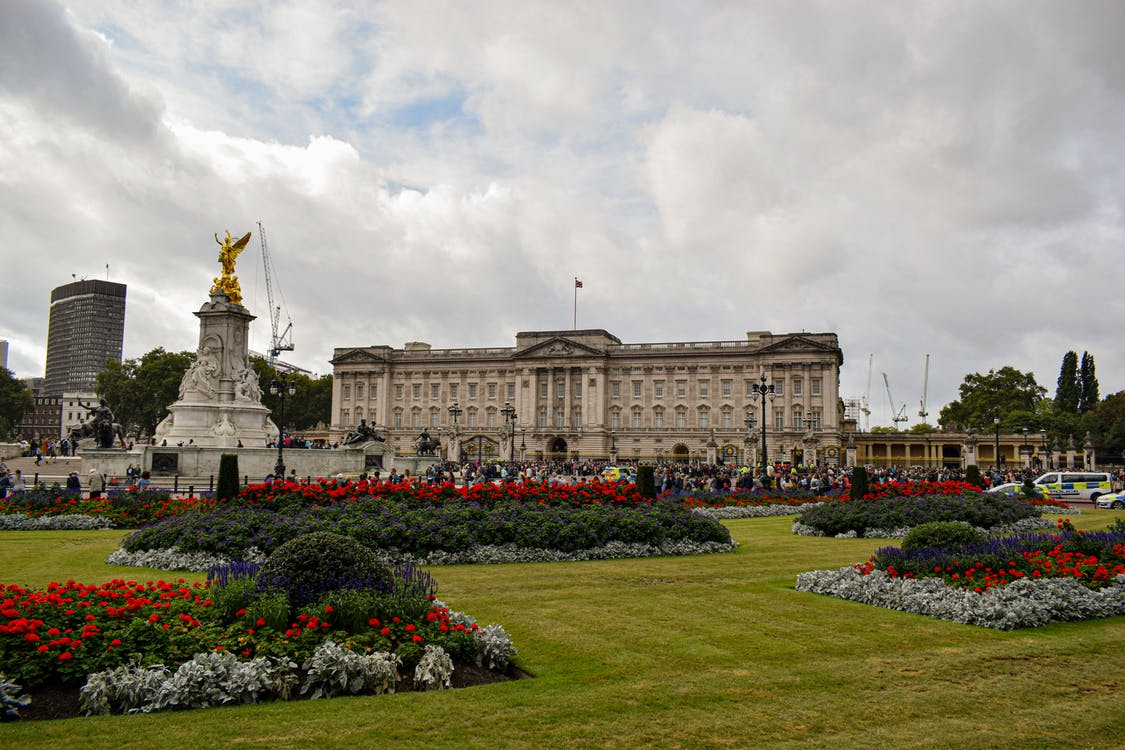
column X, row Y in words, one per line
column 228, row 282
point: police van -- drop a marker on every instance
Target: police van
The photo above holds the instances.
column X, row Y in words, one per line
column 1076, row 485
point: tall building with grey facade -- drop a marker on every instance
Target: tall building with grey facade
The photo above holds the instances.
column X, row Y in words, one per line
column 87, row 327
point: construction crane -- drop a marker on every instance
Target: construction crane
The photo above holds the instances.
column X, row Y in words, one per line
column 897, row 415
column 865, row 408
column 925, row 384
column 279, row 342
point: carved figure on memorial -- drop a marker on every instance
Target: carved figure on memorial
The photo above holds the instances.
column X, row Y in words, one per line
column 100, row 426
column 247, row 388
column 224, row 427
column 202, row 376
column 363, row 433
column 227, row 282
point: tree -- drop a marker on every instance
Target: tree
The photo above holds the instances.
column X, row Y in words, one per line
column 1106, row 423
column 1012, row 395
column 15, row 401
column 1088, row 384
column 310, row 404
column 1067, row 394
column 139, row 391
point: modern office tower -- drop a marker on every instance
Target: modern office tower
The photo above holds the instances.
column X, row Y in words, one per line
column 3, row 354
column 87, row 327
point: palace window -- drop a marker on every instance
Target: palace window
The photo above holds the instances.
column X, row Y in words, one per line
column 578, row 416
column 704, row 418
column 472, row 417
column 779, row 386
column 636, row 417
column 491, row 417
column 542, row 416
column 511, row 390
column 398, row 418
column 681, row 418
column 578, row 388
column 779, row 419
column 435, row 415
column 453, row 391
column 358, row 391
column 358, row 414
column 347, row 392
column 658, row 389
column 560, row 389
column 615, row 419
column 658, row 418
column 815, row 386
column 814, row 419
column 798, row 386
column 472, row 390
column 346, row 418
column 636, row 389
column 727, row 387
column 681, row 388
column 435, row 391
column 416, row 391
column 615, row 389
column 728, row 419
column 415, row 418
column 704, row 389
column 543, row 392
column 798, row 418
column 560, row 418
column 374, row 391
column 398, row 390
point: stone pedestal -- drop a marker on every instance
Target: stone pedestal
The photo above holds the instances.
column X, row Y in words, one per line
column 220, row 398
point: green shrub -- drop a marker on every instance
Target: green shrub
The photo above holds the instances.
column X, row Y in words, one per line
column 942, row 535
column 1030, row 490
column 227, row 487
column 313, row 564
column 972, row 475
column 646, row 481
column 859, row 483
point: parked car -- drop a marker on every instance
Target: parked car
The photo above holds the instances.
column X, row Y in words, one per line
column 1016, row 488
column 1076, row 485
column 1114, row 500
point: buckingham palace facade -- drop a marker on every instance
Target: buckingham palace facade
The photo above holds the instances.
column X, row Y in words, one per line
column 583, row 394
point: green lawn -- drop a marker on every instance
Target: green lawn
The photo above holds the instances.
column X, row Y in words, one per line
column 688, row 652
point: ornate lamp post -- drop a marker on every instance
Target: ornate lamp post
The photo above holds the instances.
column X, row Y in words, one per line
column 749, row 422
column 281, row 388
column 1044, row 465
column 762, row 391
column 523, row 444
column 509, row 413
column 996, row 426
column 613, row 447
column 454, row 434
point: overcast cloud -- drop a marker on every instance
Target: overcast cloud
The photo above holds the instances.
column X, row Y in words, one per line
column 918, row 177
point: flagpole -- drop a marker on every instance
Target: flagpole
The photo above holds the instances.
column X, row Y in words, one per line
column 575, row 303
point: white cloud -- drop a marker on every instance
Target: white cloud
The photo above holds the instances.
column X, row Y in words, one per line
column 939, row 178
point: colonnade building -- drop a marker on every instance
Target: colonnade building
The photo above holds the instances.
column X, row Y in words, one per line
column 583, row 394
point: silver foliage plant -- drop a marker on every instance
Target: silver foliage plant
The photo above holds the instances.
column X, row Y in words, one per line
column 434, row 670
column 173, row 559
column 1019, row 527
column 753, row 511
column 494, row 647
column 333, row 670
column 66, row 522
column 1025, row 603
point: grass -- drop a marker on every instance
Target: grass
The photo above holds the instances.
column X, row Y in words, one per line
column 691, row 652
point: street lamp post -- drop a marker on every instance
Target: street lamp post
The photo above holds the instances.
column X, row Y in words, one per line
column 1025, row 449
column 523, row 445
column 281, row 388
column 1044, row 465
column 749, row 422
column 762, row 391
column 996, row 426
column 455, row 435
column 509, row 413
column 613, row 447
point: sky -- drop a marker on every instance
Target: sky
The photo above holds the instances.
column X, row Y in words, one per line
column 942, row 178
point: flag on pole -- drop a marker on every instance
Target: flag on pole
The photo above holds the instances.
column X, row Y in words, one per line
column 577, row 284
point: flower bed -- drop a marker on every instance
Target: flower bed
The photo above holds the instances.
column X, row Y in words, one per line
column 1006, row 582
column 447, row 527
column 886, row 511
column 110, row 636
column 120, row 508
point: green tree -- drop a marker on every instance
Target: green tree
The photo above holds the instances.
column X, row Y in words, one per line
column 139, row 391
column 15, row 401
column 1067, row 394
column 310, row 404
column 1013, row 395
column 1088, row 384
column 1106, row 423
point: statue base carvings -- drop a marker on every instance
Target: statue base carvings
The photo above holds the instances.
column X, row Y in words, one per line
column 220, row 399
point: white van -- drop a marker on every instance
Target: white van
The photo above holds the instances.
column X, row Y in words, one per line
column 1076, row 485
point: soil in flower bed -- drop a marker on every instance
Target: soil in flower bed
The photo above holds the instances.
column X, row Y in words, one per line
column 61, row 701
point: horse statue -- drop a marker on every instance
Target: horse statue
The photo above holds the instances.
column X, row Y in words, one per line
column 89, row 429
column 427, row 445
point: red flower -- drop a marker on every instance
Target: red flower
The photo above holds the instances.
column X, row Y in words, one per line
column 385, row 631
column 373, row 622
column 66, row 656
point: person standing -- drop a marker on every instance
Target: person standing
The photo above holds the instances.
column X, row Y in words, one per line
column 97, row 483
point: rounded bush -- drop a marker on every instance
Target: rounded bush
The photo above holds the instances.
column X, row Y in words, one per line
column 941, row 534
column 313, row 564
